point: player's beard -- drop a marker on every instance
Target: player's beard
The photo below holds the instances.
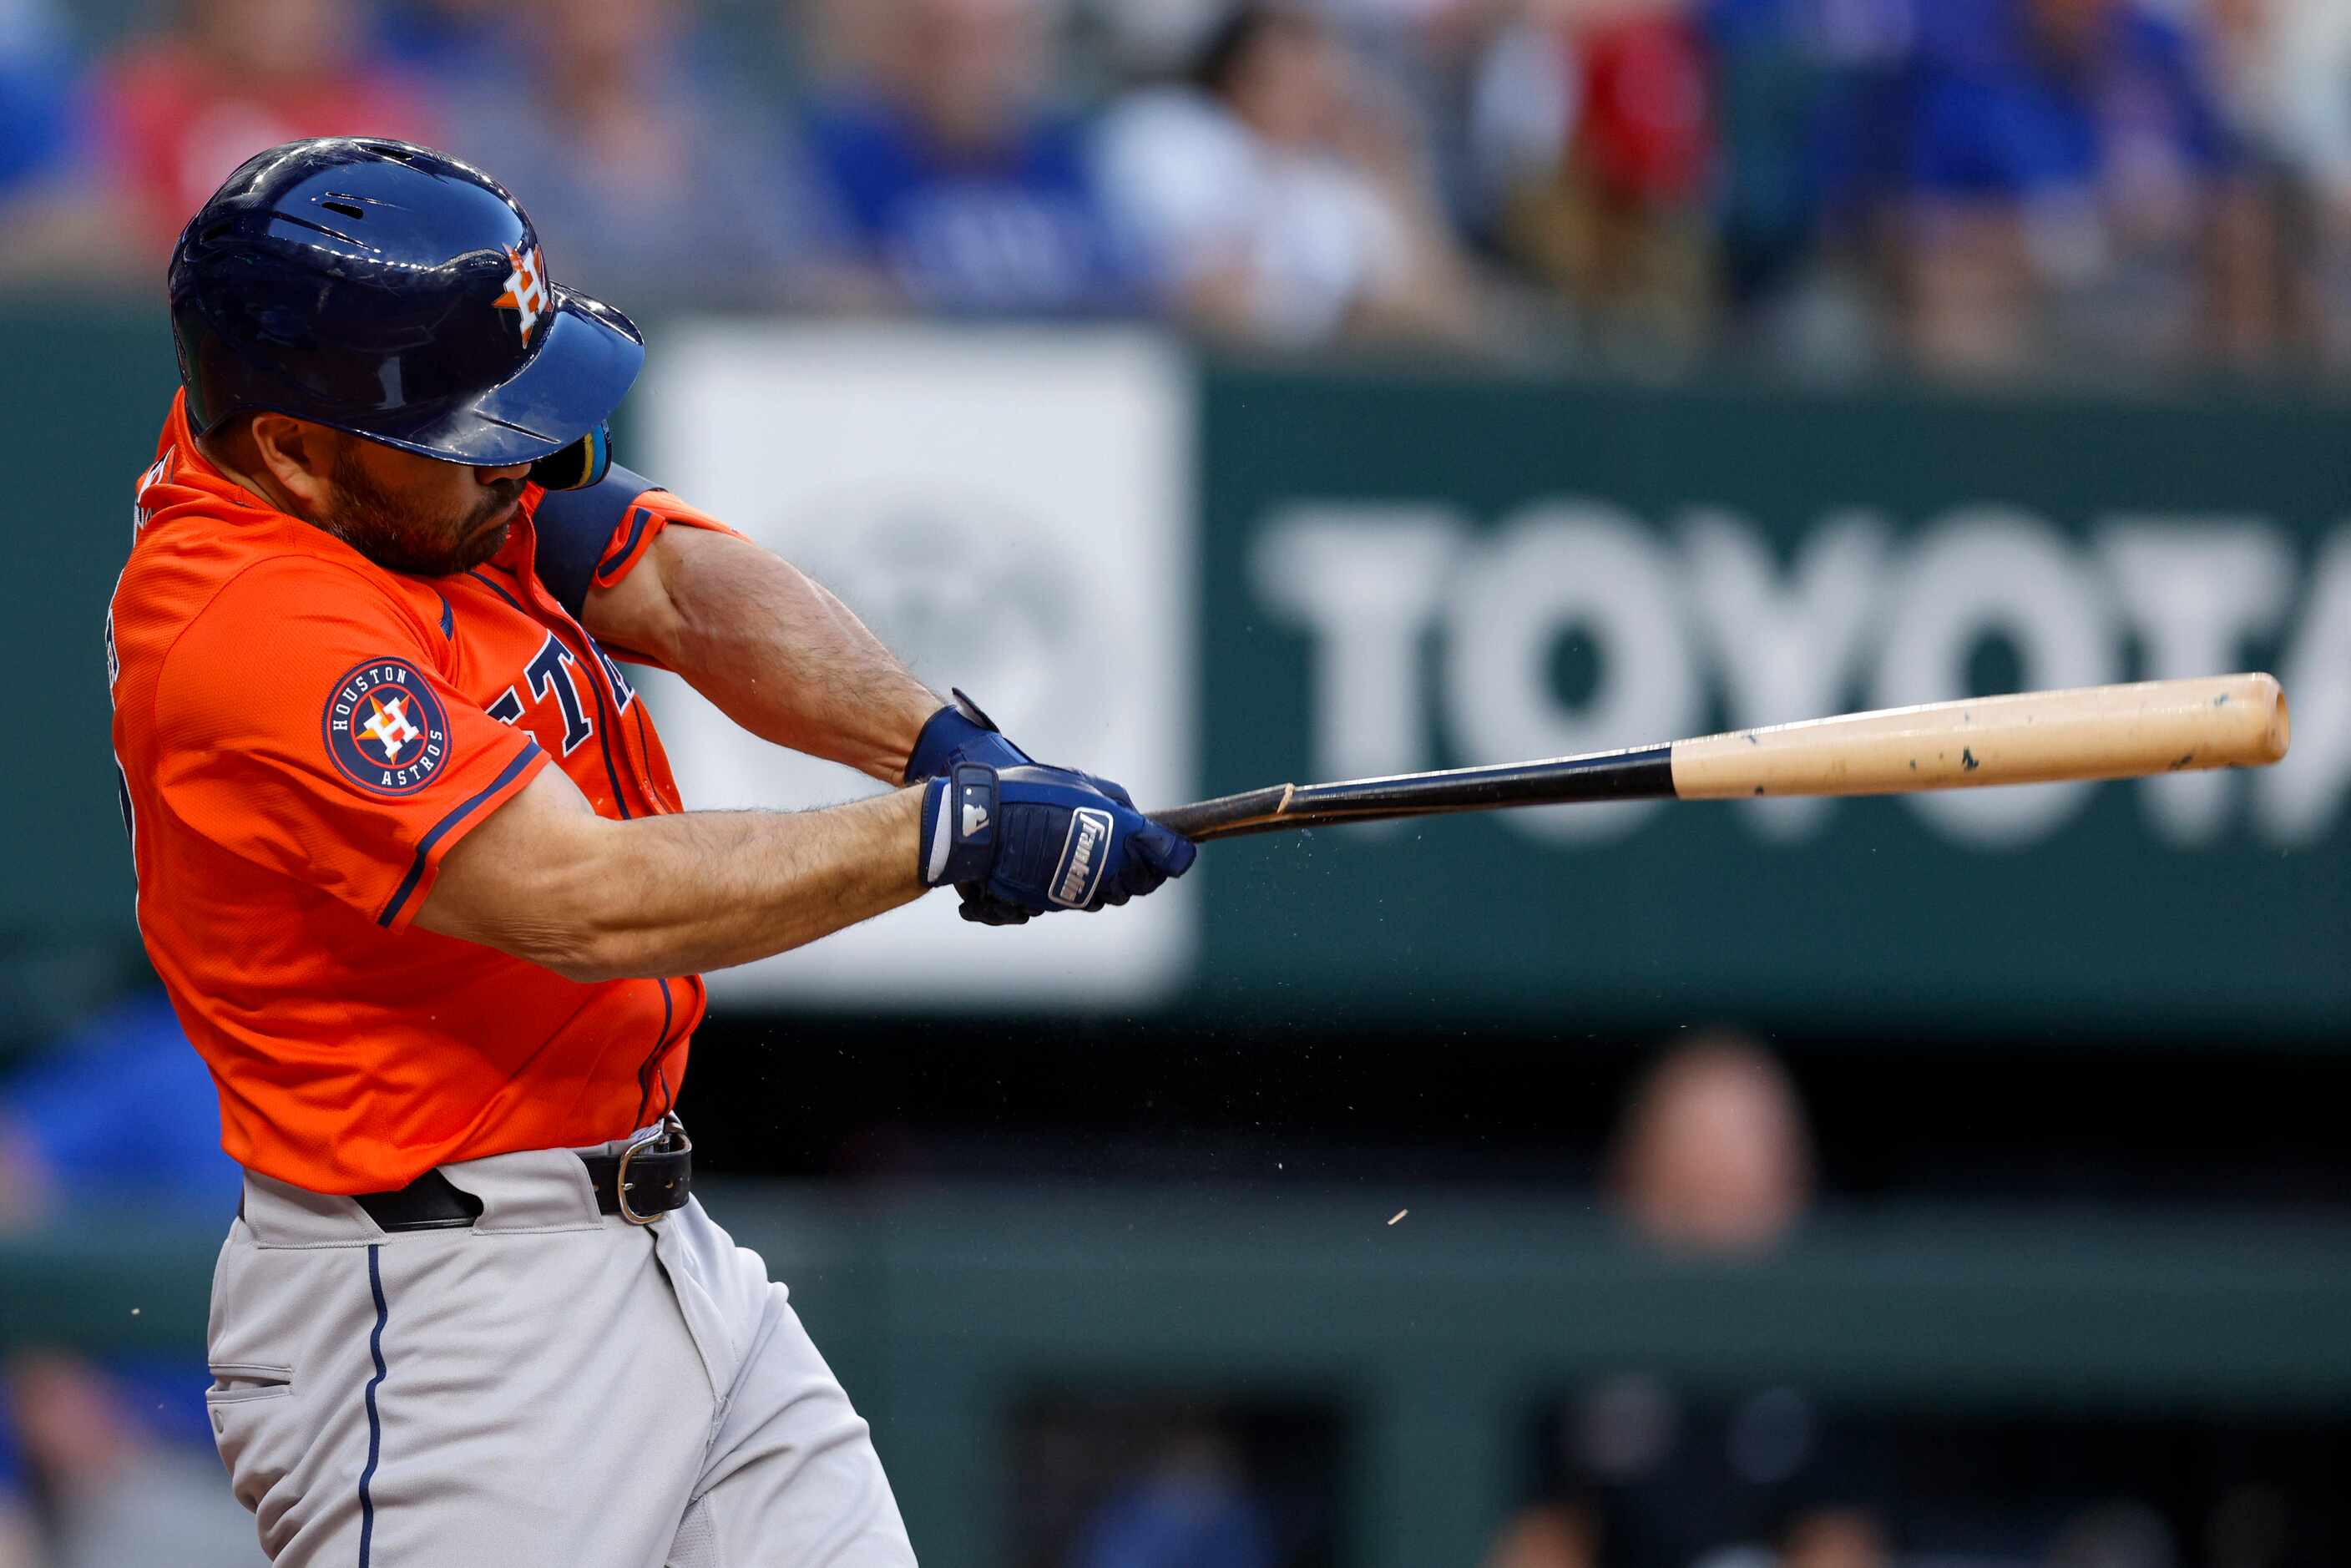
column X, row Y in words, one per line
column 398, row 536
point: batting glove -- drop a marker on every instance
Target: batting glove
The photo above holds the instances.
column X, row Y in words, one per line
column 959, row 733
column 1028, row 841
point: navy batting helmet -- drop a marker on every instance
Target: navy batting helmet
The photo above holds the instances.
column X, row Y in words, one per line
column 394, row 292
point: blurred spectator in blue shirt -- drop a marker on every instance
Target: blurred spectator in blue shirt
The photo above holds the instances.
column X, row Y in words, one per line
column 447, row 41
column 36, row 80
column 963, row 192
column 2065, row 161
column 649, row 173
column 1193, row 1509
column 1803, row 90
column 53, row 219
column 119, row 1114
column 20, row 1545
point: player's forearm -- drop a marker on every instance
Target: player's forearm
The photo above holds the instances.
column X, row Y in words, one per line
column 547, row 880
column 782, row 657
column 707, row 890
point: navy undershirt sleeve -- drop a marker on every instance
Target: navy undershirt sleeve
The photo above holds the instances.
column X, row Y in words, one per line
column 574, row 526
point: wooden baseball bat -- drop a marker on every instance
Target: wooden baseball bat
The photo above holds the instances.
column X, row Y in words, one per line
column 2031, row 738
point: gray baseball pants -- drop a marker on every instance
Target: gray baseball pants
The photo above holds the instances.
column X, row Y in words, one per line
column 551, row 1386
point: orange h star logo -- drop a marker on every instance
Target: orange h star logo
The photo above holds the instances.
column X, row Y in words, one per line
column 390, row 727
column 525, row 288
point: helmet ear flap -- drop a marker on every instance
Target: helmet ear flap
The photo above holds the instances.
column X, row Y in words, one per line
column 577, row 466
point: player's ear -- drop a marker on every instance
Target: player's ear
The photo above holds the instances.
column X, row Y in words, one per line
column 299, row 456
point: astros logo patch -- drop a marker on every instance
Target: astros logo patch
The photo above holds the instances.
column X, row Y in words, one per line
column 385, row 729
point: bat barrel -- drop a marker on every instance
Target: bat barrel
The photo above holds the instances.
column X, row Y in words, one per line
column 2033, row 738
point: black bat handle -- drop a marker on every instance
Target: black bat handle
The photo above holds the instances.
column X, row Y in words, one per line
column 1227, row 816
column 1642, row 773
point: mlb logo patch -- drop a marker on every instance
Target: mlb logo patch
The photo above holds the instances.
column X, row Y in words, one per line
column 385, row 730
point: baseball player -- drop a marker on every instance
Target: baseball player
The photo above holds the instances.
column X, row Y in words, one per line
column 412, row 867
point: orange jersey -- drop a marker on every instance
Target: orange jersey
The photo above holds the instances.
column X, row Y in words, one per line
column 302, row 737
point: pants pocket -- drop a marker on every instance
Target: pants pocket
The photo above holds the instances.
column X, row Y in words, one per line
column 248, row 1406
column 234, row 1382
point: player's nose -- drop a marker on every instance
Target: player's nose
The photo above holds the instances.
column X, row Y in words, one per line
column 488, row 476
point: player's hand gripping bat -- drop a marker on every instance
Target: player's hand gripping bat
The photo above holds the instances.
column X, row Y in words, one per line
column 2033, row 737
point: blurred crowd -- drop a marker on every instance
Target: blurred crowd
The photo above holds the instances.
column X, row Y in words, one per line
column 1973, row 189
column 1712, row 1161
column 107, row 1461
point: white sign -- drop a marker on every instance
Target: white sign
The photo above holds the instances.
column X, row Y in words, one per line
column 1705, row 607
column 1011, row 511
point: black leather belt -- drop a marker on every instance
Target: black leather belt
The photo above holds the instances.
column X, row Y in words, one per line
column 641, row 1183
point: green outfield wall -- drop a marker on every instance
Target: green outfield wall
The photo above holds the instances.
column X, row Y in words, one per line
column 1407, row 574
column 1398, row 571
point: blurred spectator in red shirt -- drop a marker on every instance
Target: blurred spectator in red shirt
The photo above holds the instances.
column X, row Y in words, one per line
column 178, row 110
column 650, row 172
column 1621, row 224
column 1279, row 200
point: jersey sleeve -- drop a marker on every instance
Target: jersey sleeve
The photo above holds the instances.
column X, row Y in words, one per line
column 592, row 537
column 577, row 529
column 303, row 722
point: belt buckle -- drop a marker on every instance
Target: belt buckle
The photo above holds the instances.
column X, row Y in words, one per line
column 661, row 1132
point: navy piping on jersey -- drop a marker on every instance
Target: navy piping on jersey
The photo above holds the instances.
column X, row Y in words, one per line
column 440, row 829
column 501, row 593
column 652, row 1063
column 646, row 1069
column 640, row 518
column 608, row 717
column 448, row 619
column 375, row 1422
column 595, row 688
